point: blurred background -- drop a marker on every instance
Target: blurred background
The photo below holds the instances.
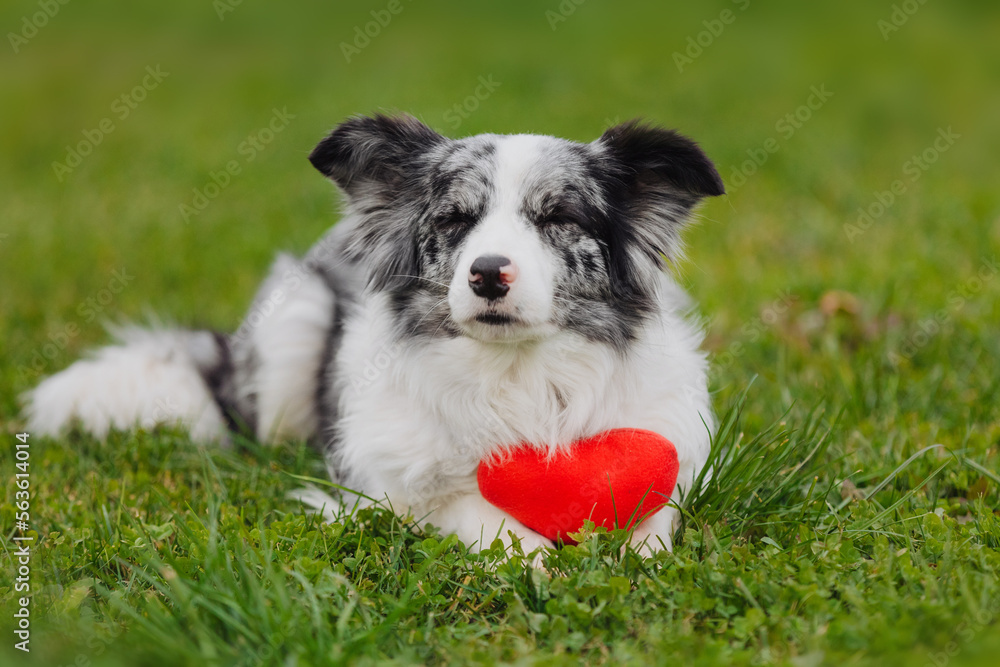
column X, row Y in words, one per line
column 153, row 159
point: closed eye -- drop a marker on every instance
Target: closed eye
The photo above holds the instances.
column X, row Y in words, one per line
column 455, row 218
column 560, row 217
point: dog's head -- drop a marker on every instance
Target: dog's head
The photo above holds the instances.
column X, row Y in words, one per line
column 511, row 238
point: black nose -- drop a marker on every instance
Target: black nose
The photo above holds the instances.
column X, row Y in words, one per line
column 486, row 278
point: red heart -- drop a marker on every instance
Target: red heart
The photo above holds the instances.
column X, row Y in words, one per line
column 618, row 476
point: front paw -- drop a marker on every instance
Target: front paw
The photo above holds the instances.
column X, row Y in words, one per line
column 654, row 535
column 533, row 542
column 650, row 545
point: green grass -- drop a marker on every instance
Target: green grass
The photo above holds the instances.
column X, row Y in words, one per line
column 852, row 515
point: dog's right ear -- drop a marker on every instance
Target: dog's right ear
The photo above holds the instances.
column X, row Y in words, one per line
column 376, row 150
column 377, row 162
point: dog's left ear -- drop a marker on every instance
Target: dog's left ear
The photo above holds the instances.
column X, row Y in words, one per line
column 654, row 157
column 655, row 177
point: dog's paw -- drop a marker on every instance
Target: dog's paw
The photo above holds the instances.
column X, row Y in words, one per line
column 532, row 542
column 317, row 501
column 648, row 547
column 654, row 534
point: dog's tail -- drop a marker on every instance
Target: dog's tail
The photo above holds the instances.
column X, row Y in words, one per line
column 148, row 377
column 269, row 378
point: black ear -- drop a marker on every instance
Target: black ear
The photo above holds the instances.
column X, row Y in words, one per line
column 376, row 149
column 378, row 162
column 652, row 156
column 653, row 178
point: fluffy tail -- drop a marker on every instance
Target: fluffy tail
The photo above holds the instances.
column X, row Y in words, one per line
column 149, row 377
column 270, row 377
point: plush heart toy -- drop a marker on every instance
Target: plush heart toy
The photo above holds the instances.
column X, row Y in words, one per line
column 616, row 479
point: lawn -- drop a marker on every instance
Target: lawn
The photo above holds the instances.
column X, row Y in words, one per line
column 153, row 159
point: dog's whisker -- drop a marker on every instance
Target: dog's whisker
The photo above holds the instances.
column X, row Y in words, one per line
column 431, row 310
column 433, row 282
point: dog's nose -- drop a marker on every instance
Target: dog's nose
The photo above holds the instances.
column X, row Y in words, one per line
column 491, row 275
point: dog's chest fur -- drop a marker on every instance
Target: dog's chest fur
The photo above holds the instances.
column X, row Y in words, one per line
column 418, row 427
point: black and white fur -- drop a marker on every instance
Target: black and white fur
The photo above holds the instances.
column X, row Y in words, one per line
column 383, row 345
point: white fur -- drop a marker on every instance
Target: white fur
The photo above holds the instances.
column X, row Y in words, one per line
column 329, row 507
column 288, row 337
column 150, row 378
column 416, row 431
column 504, row 232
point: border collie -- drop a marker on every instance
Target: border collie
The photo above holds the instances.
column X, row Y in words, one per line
column 478, row 293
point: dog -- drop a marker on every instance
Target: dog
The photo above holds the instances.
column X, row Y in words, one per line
column 478, row 293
